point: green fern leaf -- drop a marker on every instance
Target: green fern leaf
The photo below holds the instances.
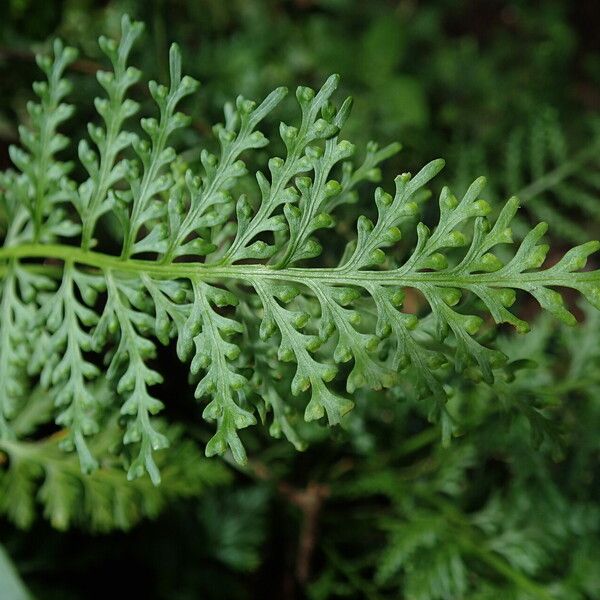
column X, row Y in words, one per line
column 213, row 268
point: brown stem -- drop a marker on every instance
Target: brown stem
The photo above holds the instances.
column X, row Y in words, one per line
column 310, row 502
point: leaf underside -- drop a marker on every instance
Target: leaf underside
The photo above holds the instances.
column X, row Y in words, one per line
column 230, row 277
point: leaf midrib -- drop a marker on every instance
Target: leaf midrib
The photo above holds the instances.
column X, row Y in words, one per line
column 333, row 275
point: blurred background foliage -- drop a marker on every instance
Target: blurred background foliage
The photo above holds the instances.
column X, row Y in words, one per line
column 432, row 74
column 376, row 509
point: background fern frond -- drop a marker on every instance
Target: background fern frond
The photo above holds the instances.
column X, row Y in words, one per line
column 40, row 472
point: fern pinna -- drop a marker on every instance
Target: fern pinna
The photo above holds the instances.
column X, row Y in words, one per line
column 230, row 276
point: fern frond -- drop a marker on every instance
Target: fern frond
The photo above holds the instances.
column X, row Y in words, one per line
column 59, row 356
column 17, row 312
column 554, row 181
column 41, row 472
column 205, row 265
column 103, row 166
column 42, row 183
column 557, row 183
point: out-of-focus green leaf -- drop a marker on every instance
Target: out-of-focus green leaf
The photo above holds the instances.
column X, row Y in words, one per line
column 11, row 586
